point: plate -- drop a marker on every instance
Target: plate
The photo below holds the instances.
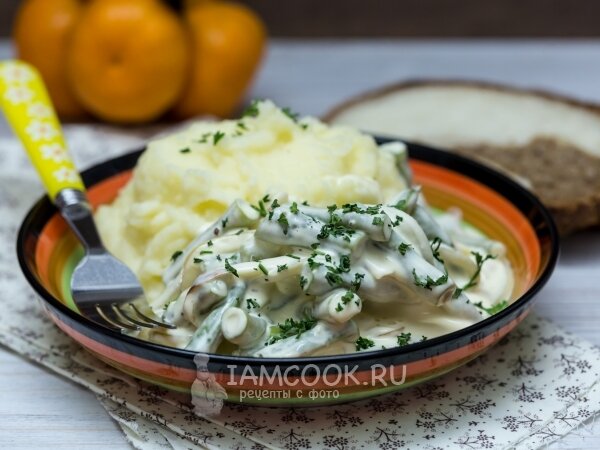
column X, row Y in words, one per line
column 491, row 202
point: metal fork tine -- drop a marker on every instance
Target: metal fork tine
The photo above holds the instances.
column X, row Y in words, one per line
column 126, row 317
column 115, row 322
column 156, row 322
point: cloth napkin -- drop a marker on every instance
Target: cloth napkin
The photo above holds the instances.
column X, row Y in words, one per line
column 536, row 386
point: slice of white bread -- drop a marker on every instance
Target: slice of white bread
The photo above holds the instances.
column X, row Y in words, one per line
column 550, row 143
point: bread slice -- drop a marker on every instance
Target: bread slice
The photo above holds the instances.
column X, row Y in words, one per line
column 548, row 142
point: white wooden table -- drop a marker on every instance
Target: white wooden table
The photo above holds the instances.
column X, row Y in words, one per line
column 40, row 410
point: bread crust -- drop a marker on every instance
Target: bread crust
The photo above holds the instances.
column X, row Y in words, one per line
column 577, row 209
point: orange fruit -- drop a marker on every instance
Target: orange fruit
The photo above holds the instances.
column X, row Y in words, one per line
column 128, row 60
column 41, row 32
column 227, row 45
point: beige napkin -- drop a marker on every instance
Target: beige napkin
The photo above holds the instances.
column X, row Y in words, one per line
column 536, row 386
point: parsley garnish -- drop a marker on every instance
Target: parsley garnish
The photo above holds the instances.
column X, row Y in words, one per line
column 185, row 150
column 275, row 204
column 346, row 298
column 429, row 283
column 284, row 223
column 377, row 221
column 403, row 248
column 291, row 328
column 240, row 231
column 363, row 343
column 198, row 260
column 176, row 255
column 204, row 138
column 403, row 339
column 252, row 109
column 303, row 282
column 281, row 268
column 210, row 243
column 473, row 280
column 261, row 206
column 224, row 222
column 493, row 309
column 294, row 208
column 435, row 249
column 358, row 277
column 217, row 137
column 241, row 125
column 230, row 268
column 292, row 115
column 336, row 228
column 313, row 264
column 205, row 252
column 289, row 255
column 305, row 203
column 251, row 303
column 263, row 269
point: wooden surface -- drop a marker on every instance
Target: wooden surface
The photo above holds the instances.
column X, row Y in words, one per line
column 40, row 410
column 411, row 18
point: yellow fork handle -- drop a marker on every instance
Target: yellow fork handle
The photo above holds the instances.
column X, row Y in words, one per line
column 29, row 111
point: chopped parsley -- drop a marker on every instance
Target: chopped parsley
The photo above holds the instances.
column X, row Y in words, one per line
column 479, row 259
column 403, row 248
column 363, row 343
column 289, row 255
column 493, row 309
column 217, row 137
column 292, row 115
column 403, row 339
column 252, row 109
column 313, row 264
column 303, row 282
column 358, row 277
column 333, row 278
column 378, row 221
column 204, row 138
column 198, row 260
column 305, row 203
column 224, row 222
column 241, row 125
column 206, row 252
column 210, row 243
column 251, row 303
column 396, row 222
column 353, row 207
column 424, row 338
column 285, row 225
column 428, row 282
column 291, row 328
column 230, row 268
column 240, row 231
column 281, row 268
column 294, row 208
column 262, row 210
column 176, row 255
column 275, row 204
column 263, row 269
column 435, row 249
column 335, row 228
column 346, row 298
column 185, row 150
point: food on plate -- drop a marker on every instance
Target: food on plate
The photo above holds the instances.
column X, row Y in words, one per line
column 549, row 143
column 279, row 236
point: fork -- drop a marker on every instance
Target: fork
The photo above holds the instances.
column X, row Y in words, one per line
column 103, row 288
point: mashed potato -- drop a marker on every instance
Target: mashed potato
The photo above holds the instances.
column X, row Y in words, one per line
column 186, row 180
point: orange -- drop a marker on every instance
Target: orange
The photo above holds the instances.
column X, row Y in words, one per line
column 41, row 32
column 128, row 59
column 227, row 45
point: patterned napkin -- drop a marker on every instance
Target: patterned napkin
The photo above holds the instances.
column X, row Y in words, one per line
column 534, row 387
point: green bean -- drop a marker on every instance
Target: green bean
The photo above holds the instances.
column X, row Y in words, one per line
column 242, row 328
column 339, row 306
column 321, row 335
column 208, row 336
